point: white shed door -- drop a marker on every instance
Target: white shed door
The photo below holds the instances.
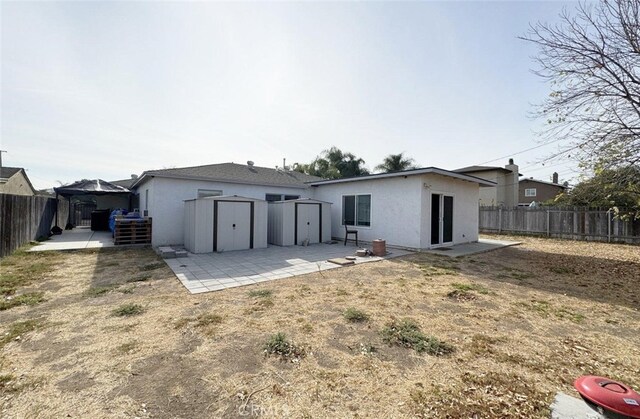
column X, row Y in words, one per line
column 308, row 226
column 234, row 226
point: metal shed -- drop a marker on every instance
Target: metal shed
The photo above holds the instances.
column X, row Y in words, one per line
column 299, row 220
column 225, row 223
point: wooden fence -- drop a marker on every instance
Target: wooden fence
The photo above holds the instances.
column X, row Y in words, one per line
column 575, row 224
column 26, row 218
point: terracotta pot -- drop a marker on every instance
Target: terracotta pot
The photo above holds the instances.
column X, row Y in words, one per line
column 379, row 247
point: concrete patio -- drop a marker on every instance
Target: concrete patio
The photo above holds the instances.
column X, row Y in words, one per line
column 78, row 238
column 468, row 249
column 217, row 271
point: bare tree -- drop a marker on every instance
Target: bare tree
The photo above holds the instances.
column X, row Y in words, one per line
column 592, row 61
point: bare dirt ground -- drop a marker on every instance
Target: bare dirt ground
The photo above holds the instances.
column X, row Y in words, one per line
column 524, row 322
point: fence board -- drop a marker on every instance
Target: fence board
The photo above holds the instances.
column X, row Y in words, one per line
column 576, row 224
column 26, row 218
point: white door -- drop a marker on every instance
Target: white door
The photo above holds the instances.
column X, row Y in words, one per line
column 234, row 226
column 308, row 226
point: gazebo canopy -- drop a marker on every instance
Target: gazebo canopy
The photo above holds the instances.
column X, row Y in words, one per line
column 91, row 187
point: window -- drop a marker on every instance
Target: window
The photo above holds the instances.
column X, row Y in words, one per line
column 272, row 197
column 203, row 193
column 530, row 192
column 356, row 210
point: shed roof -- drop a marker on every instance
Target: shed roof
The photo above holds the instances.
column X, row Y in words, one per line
column 234, row 173
column 410, row 172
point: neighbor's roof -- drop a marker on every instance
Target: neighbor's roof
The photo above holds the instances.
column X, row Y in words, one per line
column 125, row 183
column 410, row 172
column 543, row 181
column 7, row 172
column 475, row 169
column 90, row 187
column 234, row 173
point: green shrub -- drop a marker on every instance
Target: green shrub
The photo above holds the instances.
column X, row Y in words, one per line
column 354, row 315
column 281, row 347
column 260, row 293
column 126, row 310
column 407, row 333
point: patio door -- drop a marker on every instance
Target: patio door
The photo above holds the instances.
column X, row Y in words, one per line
column 441, row 220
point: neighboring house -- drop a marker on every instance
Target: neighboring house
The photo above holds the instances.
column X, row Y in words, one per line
column 14, row 181
column 539, row 190
column 418, row 208
column 505, row 193
column 125, row 183
column 161, row 193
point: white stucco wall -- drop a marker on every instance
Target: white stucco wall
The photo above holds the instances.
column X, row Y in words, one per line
column 465, row 207
column 395, row 209
column 167, row 196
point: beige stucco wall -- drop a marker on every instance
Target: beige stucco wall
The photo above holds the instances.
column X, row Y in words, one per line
column 17, row 185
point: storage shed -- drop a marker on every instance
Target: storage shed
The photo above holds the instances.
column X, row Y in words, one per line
column 298, row 220
column 225, row 223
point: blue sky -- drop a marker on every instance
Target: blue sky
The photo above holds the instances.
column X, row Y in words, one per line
column 106, row 89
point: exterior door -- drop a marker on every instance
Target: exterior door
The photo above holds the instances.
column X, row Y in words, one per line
column 233, row 224
column 441, row 219
column 307, row 223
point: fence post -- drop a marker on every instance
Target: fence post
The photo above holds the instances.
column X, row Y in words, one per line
column 548, row 223
column 609, row 226
column 499, row 220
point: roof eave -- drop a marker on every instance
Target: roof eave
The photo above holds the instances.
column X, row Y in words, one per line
column 414, row 172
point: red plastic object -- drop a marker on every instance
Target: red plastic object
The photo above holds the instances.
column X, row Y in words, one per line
column 609, row 394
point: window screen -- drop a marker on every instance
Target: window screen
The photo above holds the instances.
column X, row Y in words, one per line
column 364, row 210
column 349, row 210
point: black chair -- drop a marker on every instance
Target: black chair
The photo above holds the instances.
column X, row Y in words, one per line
column 347, row 232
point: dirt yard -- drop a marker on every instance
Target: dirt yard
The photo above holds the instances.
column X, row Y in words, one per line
column 113, row 333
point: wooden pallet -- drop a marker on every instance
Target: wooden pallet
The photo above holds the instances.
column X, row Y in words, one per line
column 132, row 231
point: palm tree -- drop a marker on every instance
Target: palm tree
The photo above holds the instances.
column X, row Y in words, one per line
column 396, row 163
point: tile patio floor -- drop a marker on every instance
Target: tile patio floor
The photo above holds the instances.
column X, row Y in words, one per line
column 217, row 271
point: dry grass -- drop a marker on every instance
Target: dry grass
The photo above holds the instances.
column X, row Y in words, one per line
column 542, row 314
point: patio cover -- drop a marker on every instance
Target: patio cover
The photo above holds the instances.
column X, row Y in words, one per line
column 86, row 187
column 90, row 187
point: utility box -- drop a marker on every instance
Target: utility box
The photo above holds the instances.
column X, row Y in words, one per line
column 299, row 221
column 225, row 223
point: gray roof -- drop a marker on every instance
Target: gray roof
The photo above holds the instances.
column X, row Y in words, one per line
column 476, row 169
column 544, row 182
column 235, row 173
column 471, row 169
column 125, row 183
column 7, row 172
